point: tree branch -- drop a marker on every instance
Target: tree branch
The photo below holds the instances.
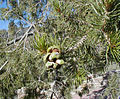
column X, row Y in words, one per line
column 3, row 65
column 80, row 42
column 17, row 39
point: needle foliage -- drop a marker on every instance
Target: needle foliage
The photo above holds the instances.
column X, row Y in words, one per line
column 87, row 32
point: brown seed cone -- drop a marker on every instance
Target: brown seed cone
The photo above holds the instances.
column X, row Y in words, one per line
column 56, row 50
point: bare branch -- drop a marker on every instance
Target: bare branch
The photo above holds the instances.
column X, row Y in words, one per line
column 29, row 23
column 21, row 38
column 80, row 42
column 24, row 19
column 3, row 65
column 17, row 39
column 6, row 13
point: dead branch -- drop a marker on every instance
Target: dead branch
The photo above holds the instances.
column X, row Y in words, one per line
column 3, row 65
column 17, row 39
column 80, row 42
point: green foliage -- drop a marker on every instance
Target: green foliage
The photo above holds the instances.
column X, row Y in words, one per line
column 107, row 19
column 41, row 43
column 22, row 70
column 114, row 46
column 12, row 28
column 113, row 90
column 87, row 33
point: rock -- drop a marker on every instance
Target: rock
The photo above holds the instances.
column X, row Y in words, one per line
column 21, row 93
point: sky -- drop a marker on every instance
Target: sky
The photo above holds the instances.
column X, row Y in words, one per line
column 3, row 24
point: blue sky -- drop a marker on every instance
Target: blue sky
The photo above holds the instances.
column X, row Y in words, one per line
column 3, row 24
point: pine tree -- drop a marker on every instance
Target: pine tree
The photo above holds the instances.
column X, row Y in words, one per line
column 63, row 42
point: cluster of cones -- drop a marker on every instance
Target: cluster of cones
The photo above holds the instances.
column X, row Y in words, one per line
column 53, row 58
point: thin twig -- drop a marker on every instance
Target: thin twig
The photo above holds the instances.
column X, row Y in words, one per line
column 17, row 39
column 3, row 65
column 35, row 28
column 21, row 38
column 29, row 23
column 80, row 42
column 6, row 13
column 24, row 19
